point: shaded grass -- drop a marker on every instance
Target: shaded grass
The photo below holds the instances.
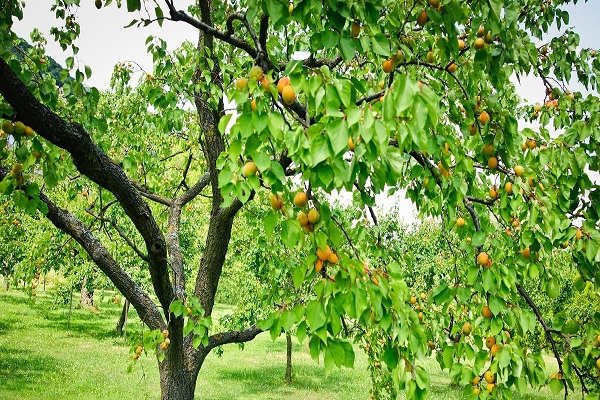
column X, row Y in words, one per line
column 41, row 359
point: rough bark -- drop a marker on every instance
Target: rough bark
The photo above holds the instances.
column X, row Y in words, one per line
column 6, row 284
column 176, row 382
column 87, row 296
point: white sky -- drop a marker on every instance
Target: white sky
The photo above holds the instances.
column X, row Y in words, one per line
column 104, row 42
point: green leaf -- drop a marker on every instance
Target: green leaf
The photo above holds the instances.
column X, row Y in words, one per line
column 380, row 44
column 134, row 5
column 405, row 90
column 347, row 47
column 478, row 238
column 315, row 315
column 338, row 135
column 269, row 222
column 262, row 161
column 277, row 9
column 556, row 385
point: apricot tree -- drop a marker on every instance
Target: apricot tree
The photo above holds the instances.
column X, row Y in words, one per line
column 367, row 97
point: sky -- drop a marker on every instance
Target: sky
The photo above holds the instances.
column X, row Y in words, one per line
column 105, row 42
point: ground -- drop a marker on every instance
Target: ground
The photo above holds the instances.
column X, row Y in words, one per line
column 40, row 358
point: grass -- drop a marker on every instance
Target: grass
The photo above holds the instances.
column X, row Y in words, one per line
column 41, row 359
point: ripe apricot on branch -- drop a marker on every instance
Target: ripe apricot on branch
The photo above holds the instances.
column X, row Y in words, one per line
column 460, row 222
column 519, row 170
column 387, row 66
column 472, row 129
column 488, row 149
column 479, row 44
column 301, row 199
column 256, row 72
column 508, row 187
column 483, row 258
column 422, row 18
column 350, row 144
column 484, row 118
column 266, row 84
column 323, row 255
column 461, row 44
column 249, row 169
column 493, row 193
column 467, row 329
column 288, row 95
column 276, row 202
column 313, row 216
column 333, row 258
column 489, row 342
column 452, row 68
column 241, row 84
column 492, row 163
column 355, row 29
column 282, row 83
column 318, row 266
column 302, row 218
column 486, row 312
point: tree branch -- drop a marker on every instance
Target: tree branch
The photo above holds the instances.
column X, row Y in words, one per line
column 547, row 330
column 91, row 161
column 71, row 225
column 208, row 29
column 121, row 233
column 220, row 339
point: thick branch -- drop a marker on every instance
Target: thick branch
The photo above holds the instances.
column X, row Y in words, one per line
column 220, row 339
column 68, row 223
column 96, row 165
column 172, row 238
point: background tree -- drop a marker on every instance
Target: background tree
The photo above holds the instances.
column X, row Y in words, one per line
column 392, row 95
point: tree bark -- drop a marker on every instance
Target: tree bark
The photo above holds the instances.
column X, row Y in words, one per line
column 175, row 382
column 87, row 296
column 288, row 365
column 123, row 317
column 6, row 283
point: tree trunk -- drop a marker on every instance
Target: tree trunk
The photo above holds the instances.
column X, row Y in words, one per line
column 178, row 371
column 6, row 283
column 288, row 365
column 123, row 317
column 87, row 297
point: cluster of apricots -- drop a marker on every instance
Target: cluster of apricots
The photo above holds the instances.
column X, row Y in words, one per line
column 284, row 87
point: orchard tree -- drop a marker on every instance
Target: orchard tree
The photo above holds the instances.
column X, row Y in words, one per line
column 367, row 97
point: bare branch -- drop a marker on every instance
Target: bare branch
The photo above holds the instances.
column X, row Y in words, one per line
column 121, row 233
column 224, row 36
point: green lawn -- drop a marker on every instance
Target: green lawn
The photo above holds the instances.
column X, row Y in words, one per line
column 41, row 359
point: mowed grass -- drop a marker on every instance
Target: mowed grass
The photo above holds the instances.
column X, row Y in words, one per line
column 41, row 359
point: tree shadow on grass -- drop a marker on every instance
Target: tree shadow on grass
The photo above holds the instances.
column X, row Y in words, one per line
column 23, row 370
column 252, row 381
